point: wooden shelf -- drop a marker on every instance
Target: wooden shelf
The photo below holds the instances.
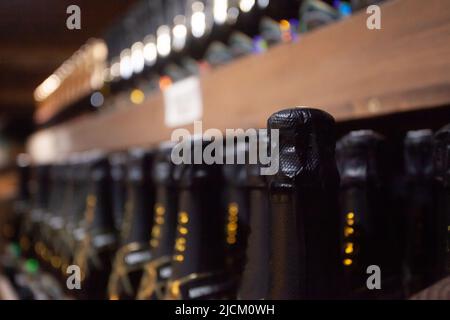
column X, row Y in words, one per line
column 8, row 185
column 344, row 68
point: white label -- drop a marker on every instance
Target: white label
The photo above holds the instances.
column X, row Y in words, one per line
column 203, row 291
column 165, row 272
column 137, row 257
column 183, row 102
column 103, row 240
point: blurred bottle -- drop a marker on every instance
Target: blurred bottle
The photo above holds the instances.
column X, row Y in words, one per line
column 159, row 269
column 367, row 229
column 254, row 284
column 41, row 195
column 118, row 174
column 60, row 194
column 94, row 252
column 62, row 233
column 237, row 203
column 79, row 187
column 420, row 217
column 199, row 261
column 22, row 204
column 134, row 251
column 315, row 14
column 441, row 157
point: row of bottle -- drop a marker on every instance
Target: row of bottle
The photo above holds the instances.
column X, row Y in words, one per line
column 160, row 42
column 140, row 226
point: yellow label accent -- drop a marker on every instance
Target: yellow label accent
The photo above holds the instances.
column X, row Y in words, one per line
column 183, row 217
column 349, row 248
column 160, row 210
column 348, row 231
column 183, row 230
column 348, row 262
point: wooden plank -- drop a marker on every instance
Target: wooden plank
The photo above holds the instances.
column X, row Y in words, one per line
column 344, row 68
column 8, row 185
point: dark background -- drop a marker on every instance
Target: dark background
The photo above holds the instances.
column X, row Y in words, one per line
column 34, row 42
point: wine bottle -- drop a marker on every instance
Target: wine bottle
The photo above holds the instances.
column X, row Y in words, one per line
column 420, row 217
column 236, row 196
column 40, row 206
column 22, row 204
column 199, row 261
column 158, row 270
column 441, row 161
column 254, row 284
column 134, row 251
column 94, row 252
column 364, row 227
column 59, row 195
column 118, row 174
column 304, row 213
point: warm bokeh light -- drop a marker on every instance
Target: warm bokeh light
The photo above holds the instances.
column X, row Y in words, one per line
column 137, row 96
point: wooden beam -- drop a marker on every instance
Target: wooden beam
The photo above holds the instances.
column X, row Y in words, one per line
column 44, row 58
column 16, row 96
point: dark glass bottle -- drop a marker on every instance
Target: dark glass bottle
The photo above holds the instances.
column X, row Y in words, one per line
column 315, row 14
column 118, row 174
column 23, row 187
column 441, row 161
column 199, row 261
column 420, row 240
column 304, row 212
column 95, row 251
column 236, row 197
column 66, row 246
column 366, row 237
column 134, row 251
column 53, row 218
column 40, row 206
column 200, row 27
column 159, row 269
column 254, row 284
column 22, row 205
column 282, row 9
column 74, row 228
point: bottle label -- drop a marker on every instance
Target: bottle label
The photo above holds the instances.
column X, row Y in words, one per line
column 201, row 286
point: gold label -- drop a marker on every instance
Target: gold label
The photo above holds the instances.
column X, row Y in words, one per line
column 348, row 235
column 232, row 225
column 181, row 241
column 158, row 222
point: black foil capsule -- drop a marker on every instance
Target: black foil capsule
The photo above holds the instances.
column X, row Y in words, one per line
column 303, row 199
